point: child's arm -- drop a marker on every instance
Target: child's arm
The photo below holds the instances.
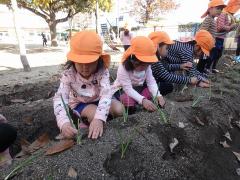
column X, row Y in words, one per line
column 121, row 35
column 238, row 31
column 222, row 20
column 187, row 56
column 2, row 119
column 125, row 81
column 63, row 91
column 173, row 67
column 151, row 83
column 153, row 87
column 105, row 98
column 160, row 73
column 206, row 24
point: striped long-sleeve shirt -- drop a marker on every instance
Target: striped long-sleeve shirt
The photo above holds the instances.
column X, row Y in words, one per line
column 209, row 24
column 183, row 52
column 173, row 67
column 161, row 73
column 224, row 22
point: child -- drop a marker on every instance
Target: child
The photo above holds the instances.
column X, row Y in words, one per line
column 160, row 70
column 225, row 24
column 85, row 86
column 7, row 136
column 215, row 8
column 183, row 52
column 126, row 37
column 135, row 77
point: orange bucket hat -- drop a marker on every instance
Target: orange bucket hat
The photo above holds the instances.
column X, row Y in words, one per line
column 233, row 6
column 143, row 48
column 213, row 3
column 86, row 47
column 160, row 37
column 205, row 40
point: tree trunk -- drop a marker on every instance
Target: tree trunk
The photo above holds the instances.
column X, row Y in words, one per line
column 96, row 16
column 53, row 32
column 20, row 38
column 70, row 27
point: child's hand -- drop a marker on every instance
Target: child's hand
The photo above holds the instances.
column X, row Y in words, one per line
column 194, row 81
column 161, row 101
column 203, row 85
column 95, row 129
column 148, row 105
column 186, row 66
column 233, row 26
column 68, row 131
column 205, row 81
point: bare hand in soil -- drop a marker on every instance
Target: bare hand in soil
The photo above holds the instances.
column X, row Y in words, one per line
column 148, row 105
column 206, row 81
column 186, row 66
column 193, row 81
column 204, row 85
column 95, row 129
column 68, row 131
column 161, row 101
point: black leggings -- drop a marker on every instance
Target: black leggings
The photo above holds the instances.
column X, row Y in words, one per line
column 7, row 136
column 165, row 87
column 126, row 47
column 238, row 47
column 203, row 62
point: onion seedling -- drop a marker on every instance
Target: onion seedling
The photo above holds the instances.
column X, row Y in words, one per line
column 79, row 137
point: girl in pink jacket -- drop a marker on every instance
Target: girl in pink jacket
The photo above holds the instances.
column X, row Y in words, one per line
column 85, row 86
column 135, row 77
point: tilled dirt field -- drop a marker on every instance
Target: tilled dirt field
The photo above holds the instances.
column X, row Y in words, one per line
column 199, row 127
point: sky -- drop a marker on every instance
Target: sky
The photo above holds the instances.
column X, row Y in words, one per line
column 189, row 11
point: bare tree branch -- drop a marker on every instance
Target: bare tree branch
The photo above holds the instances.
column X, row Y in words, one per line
column 34, row 11
column 70, row 14
column 45, row 12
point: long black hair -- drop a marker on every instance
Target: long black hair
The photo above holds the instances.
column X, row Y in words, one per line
column 126, row 32
column 70, row 64
column 128, row 63
column 157, row 53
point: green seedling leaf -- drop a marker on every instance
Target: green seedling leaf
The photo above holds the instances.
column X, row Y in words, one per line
column 195, row 102
column 79, row 137
column 23, row 164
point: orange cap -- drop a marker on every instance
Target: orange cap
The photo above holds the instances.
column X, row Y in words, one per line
column 86, row 47
column 160, row 37
column 205, row 40
column 233, row 6
column 213, row 3
column 143, row 48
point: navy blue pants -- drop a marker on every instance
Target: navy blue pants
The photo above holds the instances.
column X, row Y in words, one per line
column 217, row 52
column 238, row 47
